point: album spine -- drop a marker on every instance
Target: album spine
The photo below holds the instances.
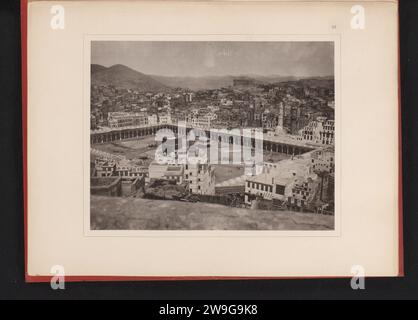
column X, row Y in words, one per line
column 24, row 49
column 401, row 265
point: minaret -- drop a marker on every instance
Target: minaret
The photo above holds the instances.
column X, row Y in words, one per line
column 281, row 112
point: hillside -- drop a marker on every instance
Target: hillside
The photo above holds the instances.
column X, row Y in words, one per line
column 124, row 77
column 326, row 82
column 97, row 68
column 121, row 76
column 196, row 83
column 111, row 213
column 216, row 82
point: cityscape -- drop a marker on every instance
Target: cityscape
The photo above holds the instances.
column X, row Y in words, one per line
column 212, row 136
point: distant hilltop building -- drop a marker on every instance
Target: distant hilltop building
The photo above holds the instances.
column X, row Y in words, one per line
column 243, row 82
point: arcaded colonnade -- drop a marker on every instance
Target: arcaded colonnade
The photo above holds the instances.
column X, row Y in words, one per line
column 116, row 134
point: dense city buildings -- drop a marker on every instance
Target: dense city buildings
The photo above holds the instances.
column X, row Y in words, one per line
column 296, row 117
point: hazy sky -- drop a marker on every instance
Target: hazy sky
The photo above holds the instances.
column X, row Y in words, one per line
column 192, row 58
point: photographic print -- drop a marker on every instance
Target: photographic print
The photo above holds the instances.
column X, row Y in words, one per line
column 212, row 135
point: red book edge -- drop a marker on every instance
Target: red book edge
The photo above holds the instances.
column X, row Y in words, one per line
column 401, row 262
column 34, row 279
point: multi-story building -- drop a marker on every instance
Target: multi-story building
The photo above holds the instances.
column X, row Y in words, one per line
column 304, row 193
column 293, row 183
column 156, row 170
column 165, row 118
column 152, row 120
column 119, row 119
column 124, row 168
column 175, row 173
column 320, row 131
column 127, row 119
column 201, row 178
column 277, row 182
column 104, row 167
column 166, row 171
column 323, row 160
column 201, row 119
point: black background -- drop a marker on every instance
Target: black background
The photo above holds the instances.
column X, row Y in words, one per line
column 12, row 284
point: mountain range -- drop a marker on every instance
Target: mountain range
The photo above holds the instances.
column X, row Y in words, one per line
column 122, row 76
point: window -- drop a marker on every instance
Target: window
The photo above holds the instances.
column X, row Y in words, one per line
column 280, row 189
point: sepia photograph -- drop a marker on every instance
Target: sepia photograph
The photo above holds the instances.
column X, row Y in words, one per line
column 216, row 140
column 212, row 135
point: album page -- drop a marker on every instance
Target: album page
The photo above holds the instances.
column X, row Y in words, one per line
column 212, row 139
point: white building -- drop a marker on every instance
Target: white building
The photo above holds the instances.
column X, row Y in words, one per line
column 201, row 119
column 226, row 102
column 188, row 97
column 165, row 118
column 278, row 180
column 331, row 104
column 125, row 168
column 166, row 171
column 104, row 167
column 127, row 119
column 153, row 120
column 320, row 131
column 201, row 178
